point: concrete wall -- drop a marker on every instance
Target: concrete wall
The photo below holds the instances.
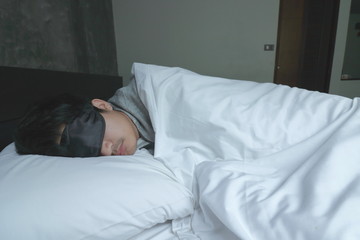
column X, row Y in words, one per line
column 218, row 38
column 66, row 35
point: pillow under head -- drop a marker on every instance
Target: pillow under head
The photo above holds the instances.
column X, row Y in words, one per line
column 114, row 197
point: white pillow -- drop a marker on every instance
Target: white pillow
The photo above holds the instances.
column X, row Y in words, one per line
column 113, row 197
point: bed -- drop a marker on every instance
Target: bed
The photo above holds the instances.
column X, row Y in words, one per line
column 233, row 159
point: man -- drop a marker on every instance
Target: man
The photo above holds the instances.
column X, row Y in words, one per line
column 73, row 126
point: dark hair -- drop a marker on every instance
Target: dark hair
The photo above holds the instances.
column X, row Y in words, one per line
column 39, row 130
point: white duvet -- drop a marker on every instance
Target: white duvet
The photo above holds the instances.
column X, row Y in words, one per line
column 264, row 161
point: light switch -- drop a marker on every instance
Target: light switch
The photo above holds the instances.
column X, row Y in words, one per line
column 269, row 47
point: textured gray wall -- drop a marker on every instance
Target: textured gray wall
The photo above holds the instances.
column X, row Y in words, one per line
column 66, row 35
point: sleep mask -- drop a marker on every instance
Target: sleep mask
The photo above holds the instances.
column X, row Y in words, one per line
column 83, row 136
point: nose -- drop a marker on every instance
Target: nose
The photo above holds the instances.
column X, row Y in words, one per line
column 106, row 148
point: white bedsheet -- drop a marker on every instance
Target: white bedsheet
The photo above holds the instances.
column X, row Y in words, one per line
column 161, row 231
column 177, row 229
column 265, row 161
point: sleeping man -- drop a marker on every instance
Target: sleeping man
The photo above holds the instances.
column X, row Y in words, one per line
column 73, row 126
column 257, row 155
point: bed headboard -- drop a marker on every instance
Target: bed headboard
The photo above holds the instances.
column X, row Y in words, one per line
column 20, row 87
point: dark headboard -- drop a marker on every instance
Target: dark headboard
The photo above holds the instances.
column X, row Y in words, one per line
column 20, row 87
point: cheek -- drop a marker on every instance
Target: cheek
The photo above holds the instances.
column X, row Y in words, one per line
column 106, row 148
column 108, row 141
column 113, row 131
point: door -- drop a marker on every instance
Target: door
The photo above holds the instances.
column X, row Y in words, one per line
column 306, row 41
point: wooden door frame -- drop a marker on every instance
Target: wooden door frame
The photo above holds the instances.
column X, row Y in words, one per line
column 314, row 49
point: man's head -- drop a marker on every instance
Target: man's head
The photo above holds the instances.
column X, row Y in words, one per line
column 72, row 126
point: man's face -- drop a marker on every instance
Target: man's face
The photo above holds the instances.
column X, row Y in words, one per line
column 121, row 134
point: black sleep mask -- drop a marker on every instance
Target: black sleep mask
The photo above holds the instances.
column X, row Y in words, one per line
column 83, row 136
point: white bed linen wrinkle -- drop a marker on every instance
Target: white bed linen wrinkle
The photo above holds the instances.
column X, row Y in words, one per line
column 161, row 231
column 294, row 169
column 177, row 229
column 209, row 204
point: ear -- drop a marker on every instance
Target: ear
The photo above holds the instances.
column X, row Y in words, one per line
column 101, row 104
